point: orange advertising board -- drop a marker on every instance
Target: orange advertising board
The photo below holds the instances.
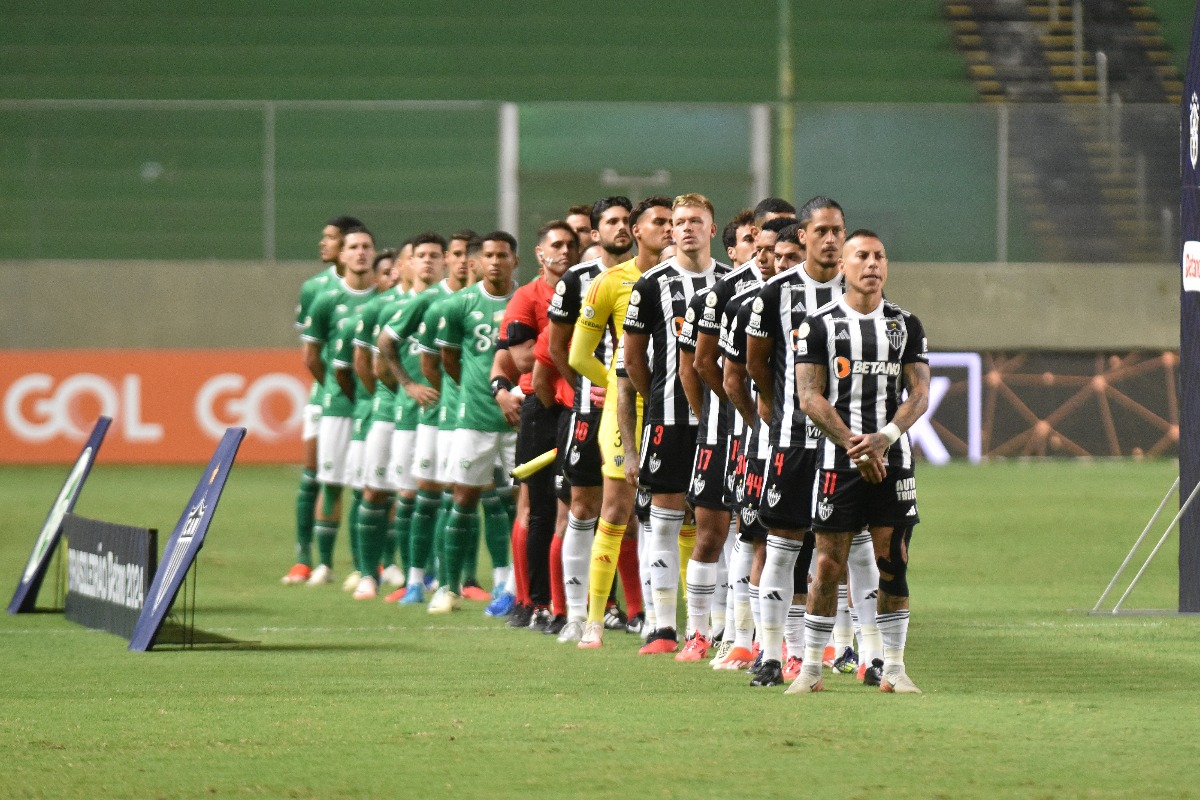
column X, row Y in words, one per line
column 167, row 406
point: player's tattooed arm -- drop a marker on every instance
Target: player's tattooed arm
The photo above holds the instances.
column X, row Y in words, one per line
column 916, row 382
column 811, row 382
column 395, row 376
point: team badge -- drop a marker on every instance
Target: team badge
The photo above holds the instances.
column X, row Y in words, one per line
column 698, row 485
column 711, row 300
column 655, row 463
column 757, row 306
column 690, row 316
column 588, row 312
column 895, row 333
column 560, row 288
column 749, row 515
column 773, row 497
column 635, row 296
column 574, row 459
column 824, row 510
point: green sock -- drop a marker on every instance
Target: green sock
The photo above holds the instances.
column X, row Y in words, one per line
column 507, row 495
column 458, row 537
column 306, row 506
column 402, row 530
column 439, row 536
column 326, row 534
column 372, row 530
column 497, row 529
column 424, row 521
column 355, row 547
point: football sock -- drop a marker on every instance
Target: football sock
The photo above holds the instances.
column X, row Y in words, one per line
column 843, row 629
column 739, row 578
column 352, row 529
column 372, row 530
column 576, row 552
column 893, row 629
column 643, row 552
column 775, row 594
column 402, row 529
column 470, row 565
column 496, row 534
column 520, row 546
column 306, row 506
column 687, row 544
column 631, row 576
column 817, row 631
column 663, row 550
column 701, row 587
column 756, row 611
column 325, row 532
column 864, row 586
column 558, row 596
column 458, row 537
column 606, row 549
column 793, row 629
column 421, row 537
column 717, row 613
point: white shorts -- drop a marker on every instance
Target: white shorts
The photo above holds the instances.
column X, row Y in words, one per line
column 377, row 452
column 354, row 464
column 476, row 453
column 400, row 463
column 333, row 440
column 425, row 459
column 445, row 446
column 311, row 422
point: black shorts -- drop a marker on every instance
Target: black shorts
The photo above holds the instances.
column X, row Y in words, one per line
column 641, row 504
column 537, row 434
column 788, row 488
column 562, row 482
column 749, row 493
column 733, row 468
column 708, row 477
column 582, row 463
column 667, row 454
column 846, row 502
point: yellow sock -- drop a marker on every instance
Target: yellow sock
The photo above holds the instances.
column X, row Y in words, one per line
column 606, row 549
column 687, row 543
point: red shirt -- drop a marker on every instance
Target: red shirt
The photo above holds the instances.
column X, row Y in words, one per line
column 564, row 392
column 525, row 318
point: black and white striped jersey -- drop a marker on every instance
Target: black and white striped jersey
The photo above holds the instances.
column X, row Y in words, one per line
column 714, row 422
column 865, row 355
column 568, row 297
column 657, row 307
column 782, row 305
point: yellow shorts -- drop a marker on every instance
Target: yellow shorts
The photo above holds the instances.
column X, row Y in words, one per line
column 612, row 450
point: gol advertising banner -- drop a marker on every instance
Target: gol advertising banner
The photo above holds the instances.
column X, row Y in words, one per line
column 167, row 406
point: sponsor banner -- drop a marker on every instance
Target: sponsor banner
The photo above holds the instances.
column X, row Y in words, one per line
column 186, row 541
column 1191, row 266
column 167, row 406
column 109, row 569
column 25, row 597
column 1189, row 326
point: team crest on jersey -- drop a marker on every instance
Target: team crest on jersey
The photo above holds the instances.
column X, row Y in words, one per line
column 654, row 463
column 476, row 315
column 739, row 493
column 698, row 485
column 560, row 288
column 773, row 497
column 895, row 333
column 690, row 316
column 824, row 510
column 574, row 458
column 710, row 300
column 635, row 296
column 729, row 479
column 749, row 515
column 757, row 306
column 618, row 461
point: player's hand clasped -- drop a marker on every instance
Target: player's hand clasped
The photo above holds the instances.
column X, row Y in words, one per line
column 868, row 452
column 424, row 396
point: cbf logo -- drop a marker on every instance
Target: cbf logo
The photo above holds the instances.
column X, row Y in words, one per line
column 1194, row 129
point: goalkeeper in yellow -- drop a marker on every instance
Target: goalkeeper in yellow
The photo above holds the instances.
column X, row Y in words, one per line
column 603, row 313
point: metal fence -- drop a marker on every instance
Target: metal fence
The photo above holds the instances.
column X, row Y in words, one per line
column 249, row 180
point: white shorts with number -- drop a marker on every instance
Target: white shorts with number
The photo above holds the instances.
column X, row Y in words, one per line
column 333, row 441
column 425, row 459
column 376, row 456
column 311, row 423
column 400, row 464
column 475, row 454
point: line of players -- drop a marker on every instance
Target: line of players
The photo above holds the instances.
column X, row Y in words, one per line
column 743, row 425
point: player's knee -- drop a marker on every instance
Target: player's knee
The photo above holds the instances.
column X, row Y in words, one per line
column 893, row 568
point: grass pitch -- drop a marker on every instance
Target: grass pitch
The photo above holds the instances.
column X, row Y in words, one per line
column 1026, row 695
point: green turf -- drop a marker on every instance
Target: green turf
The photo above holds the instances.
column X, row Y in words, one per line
column 1025, row 694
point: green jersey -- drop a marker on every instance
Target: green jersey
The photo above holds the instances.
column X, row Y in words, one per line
column 447, row 410
column 470, row 323
column 366, row 334
column 309, row 291
column 405, row 328
column 330, row 322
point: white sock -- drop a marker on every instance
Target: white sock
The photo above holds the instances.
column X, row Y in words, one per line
column 893, row 628
column 701, row 588
column 775, row 594
column 739, row 578
column 510, row 581
column 415, row 575
column 644, row 574
column 756, row 611
column 817, row 631
column 720, row 596
column 843, row 630
column 864, row 588
column 793, row 630
column 576, row 558
column 500, row 575
column 664, row 564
